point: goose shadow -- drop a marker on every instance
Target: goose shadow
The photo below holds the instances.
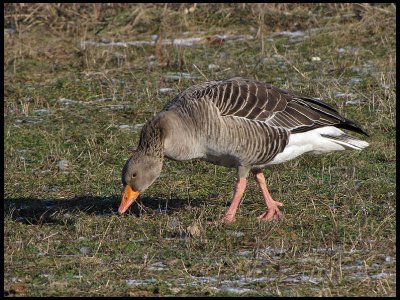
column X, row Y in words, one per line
column 60, row 211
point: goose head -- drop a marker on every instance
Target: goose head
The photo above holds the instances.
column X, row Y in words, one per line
column 139, row 172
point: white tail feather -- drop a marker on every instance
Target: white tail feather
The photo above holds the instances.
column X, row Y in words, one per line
column 348, row 141
column 317, row 141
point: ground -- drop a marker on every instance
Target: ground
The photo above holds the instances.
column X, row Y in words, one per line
column 81, row 79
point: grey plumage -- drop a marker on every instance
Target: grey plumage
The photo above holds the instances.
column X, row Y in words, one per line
column 239, row 123
column 247, row 122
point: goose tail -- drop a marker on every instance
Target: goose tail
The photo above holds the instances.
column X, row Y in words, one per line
column 347, row 141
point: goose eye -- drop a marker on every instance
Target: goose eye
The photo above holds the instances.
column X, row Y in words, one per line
column 134, row 175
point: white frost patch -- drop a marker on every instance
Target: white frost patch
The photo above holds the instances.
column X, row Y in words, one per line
column 115, row 107
column 191, row 41
column 66, row 101
column 157, row 266
column 63, row 165
column 363, row 276
column 353, row 102
column 344, row 95
column 291, row 34
column 294, row 36
column 245, row 253
column 136, row 282
column 234, row 233
column 213, row 67
column 9, row 31
column 381, row 275
column 273, row 251
column 237, row 285
column 241, row 280
column 355, row 80
column 137, row 126
column 29, row 121
column 179, row 76
column 204, row 279
column 166, row 90
column 125, row 126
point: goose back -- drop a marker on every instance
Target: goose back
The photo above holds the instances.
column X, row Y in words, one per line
column 244, row 122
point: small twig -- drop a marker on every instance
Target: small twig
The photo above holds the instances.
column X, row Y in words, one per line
column 289, row 63
column 34, row 11
column 47, row 237
column 142, row 207
column 200, row 72
column 102, row 239
column 184, row 267
column 380, row 225
column 224, row 70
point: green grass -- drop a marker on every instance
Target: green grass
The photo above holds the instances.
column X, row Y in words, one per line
column 62, row 235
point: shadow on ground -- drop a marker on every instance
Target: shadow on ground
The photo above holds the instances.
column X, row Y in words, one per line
column 40, row 211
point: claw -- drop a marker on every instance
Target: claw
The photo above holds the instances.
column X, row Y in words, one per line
column 273, row 213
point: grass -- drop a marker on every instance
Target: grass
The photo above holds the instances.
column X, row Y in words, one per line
column 65, row 101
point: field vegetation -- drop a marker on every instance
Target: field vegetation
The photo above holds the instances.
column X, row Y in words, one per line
column 81, row 79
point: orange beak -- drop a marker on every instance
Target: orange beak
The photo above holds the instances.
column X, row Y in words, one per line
column 127, row 199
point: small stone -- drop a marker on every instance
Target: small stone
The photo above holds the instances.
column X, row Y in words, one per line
column 84, row 250
column 50, row 189
column 344, row 95
column 166, row 90
column 234, row 233
column 213, row 67
column 9, row 31
column 154, row 37
column 194, row 230
column 66, row 101
column 352, row 102
column 63, row 165
column 355, row 80
column 124, row 126
column 173, row 223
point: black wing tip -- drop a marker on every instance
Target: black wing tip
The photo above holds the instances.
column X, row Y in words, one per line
column 350, row 125
column 347, row 124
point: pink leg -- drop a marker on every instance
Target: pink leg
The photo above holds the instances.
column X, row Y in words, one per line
column 273, row 212
column 240, row 186
column 229, row 217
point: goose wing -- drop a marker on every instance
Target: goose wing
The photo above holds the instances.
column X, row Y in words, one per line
column 275, row 107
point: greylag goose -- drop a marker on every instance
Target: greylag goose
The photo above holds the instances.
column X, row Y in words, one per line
column 236, row 123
